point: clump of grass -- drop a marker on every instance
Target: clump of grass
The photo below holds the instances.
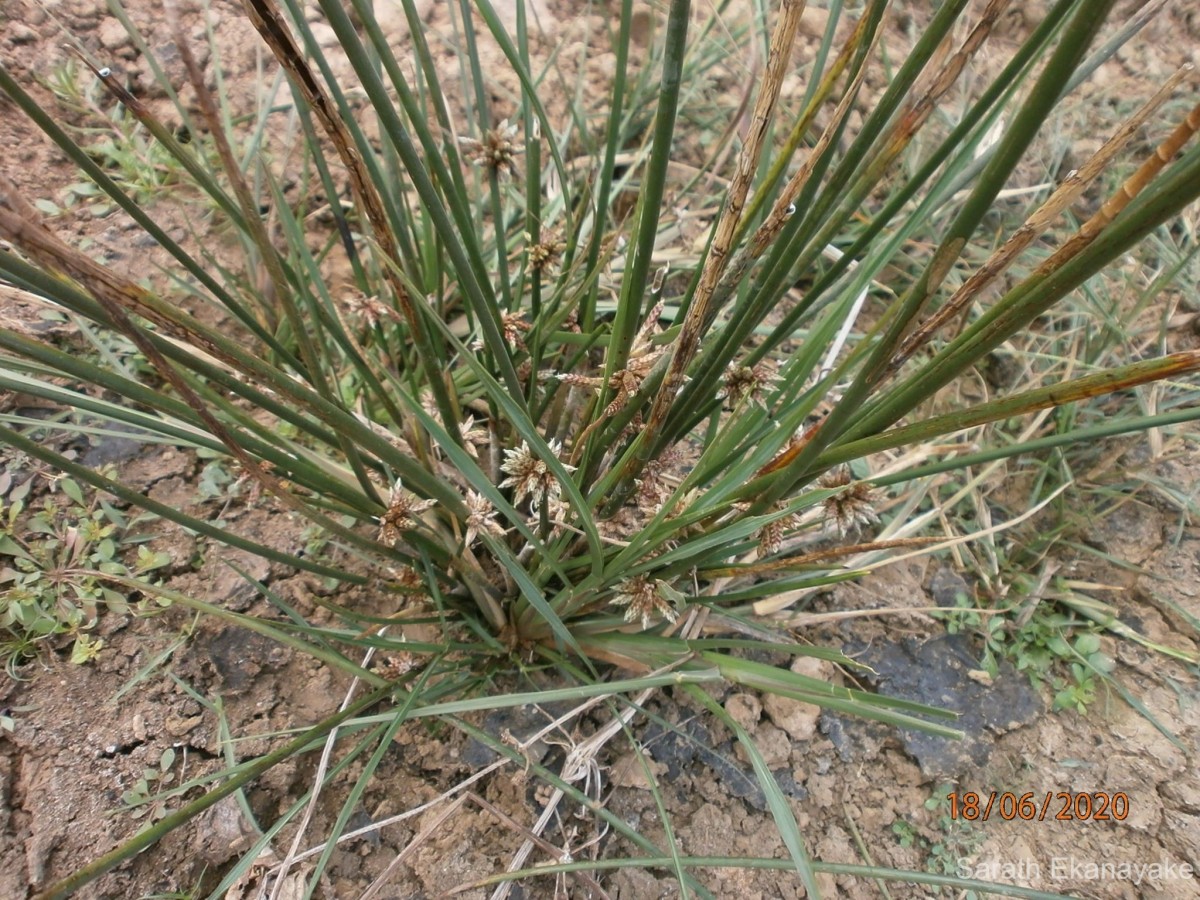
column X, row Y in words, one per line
column 531, row 417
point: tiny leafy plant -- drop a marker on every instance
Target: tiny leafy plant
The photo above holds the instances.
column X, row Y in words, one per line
column 957, row 838
column 143, row 799
column 1052, row 647
column 1054, row 633
column 946, row 843
column 113, row 138
column 56, row 559
column 571, row 393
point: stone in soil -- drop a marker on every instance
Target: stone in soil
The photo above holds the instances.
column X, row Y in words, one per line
column 938, row 673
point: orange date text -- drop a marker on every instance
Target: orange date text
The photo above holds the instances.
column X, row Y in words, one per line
column 1062, row 806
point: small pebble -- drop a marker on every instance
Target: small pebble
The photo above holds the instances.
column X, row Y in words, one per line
column 178, row 727
column 113, row 35
column 20, row 33
column 745, row 709
column 324, row 35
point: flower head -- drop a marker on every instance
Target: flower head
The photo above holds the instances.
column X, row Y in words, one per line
column 407, row 580
column 496, row 152
column 480, row 516
column 514, row 328
column 368, row 309
column 659, row 478
column 472, row 435
column 771, row 535
column 530, row 476
column 644, row 599
column 403, row 506
column 558, row 512
column 545, row 253
column 851, row 508
column 748, row 384
column 395, row 666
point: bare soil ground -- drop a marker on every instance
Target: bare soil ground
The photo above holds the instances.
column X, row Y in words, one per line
column 85, row 734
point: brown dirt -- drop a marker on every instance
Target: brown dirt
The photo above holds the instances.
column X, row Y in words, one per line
column 84, row 734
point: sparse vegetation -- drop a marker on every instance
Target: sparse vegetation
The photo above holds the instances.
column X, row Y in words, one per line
column 54, row 561
column 946, row 844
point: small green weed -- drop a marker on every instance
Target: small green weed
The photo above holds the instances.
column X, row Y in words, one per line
column 119, row 144
column 958, row 837
column 216, row 481
column 1054, row 647
column 946, row 843
column 144, row 799
column 907, row 834
column 54, row 554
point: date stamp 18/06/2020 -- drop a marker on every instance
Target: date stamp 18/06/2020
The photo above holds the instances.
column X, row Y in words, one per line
column 1061, row 806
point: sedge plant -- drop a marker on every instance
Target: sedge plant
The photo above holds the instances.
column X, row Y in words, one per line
column 532, row 417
